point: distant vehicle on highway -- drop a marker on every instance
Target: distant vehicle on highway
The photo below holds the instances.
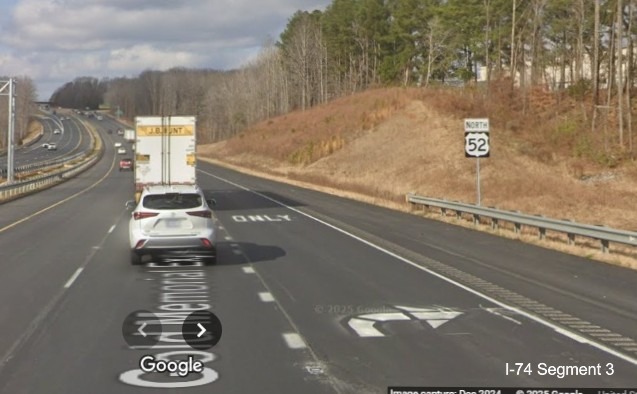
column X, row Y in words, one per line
column 117, row 144
column 100, row 117
column 120, row 131
column 56, row 131
column 45, row 145
column 121, row 151
column 126, row 164
column 173, row 219
column 52, row 147
column 129, row 135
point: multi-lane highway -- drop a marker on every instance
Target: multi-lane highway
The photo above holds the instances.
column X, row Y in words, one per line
column 316, row 294
column 71, row 139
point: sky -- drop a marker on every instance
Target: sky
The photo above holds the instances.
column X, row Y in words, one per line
column 56, row 41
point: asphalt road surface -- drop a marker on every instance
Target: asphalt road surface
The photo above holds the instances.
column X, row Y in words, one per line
column 315, row 294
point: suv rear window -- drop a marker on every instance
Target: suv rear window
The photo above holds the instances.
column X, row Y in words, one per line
column 172, row 201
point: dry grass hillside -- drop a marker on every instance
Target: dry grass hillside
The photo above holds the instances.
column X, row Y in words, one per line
column 387, row 142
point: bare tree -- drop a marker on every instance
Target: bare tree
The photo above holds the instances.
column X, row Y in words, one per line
column 620, row 74
column 436, row 44
column 579, row 52
column 537, row 65
column 512, row 67
column 25, row 97
column 629, row 77
column 595, row 65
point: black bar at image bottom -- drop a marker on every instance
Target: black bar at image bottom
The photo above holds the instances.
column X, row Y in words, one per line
column 507, row 390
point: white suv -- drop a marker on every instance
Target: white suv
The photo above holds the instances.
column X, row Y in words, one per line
column 173, row 221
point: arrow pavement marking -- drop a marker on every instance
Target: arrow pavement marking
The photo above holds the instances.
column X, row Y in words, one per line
column 363, row 325
column 434, row 317
column 203, row 330
column 140, row 330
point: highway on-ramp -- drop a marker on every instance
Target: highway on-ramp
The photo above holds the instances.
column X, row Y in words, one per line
column 315, row 294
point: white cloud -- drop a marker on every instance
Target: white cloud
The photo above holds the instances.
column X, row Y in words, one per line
column 59, row 40
column 140, row 56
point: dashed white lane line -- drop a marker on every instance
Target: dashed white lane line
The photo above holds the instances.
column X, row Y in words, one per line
column 266, row 296
column 294, row 340
column 228, row 238
column 73, row 277
column 110, row 230
column 248, row 270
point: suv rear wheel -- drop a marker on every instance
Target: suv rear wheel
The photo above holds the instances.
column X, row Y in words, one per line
column 212, row 260
column 135, row 259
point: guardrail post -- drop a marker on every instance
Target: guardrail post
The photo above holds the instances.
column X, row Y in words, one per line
column 542, row 232
column 476, row 219
column 443, row 211
column 517, row 228
column 494, row 224
column 458, row 215
column 605, row 245
column 571, row 239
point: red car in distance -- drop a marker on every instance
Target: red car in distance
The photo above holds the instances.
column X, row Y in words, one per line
column 126, row 164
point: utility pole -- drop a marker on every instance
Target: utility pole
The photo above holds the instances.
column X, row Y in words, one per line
column 7, row 88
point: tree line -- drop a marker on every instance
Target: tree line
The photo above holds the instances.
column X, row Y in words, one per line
column 25, row 108
column 581, row 46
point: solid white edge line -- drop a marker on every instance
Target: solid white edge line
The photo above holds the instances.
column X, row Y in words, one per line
column 73, row 277
column 569, row 334
column 294, row 340
column 248, row 270
column 266, row 296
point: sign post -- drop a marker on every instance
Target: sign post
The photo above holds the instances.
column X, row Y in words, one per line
column 8, row 88
column 476, row 144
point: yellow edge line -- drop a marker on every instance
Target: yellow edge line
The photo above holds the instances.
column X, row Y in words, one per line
column 24, row 219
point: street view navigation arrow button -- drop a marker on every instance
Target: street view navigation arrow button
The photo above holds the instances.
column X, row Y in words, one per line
column 141, row 329
column 201, row 330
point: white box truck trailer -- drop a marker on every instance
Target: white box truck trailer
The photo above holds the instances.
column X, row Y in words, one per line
column 164, row 151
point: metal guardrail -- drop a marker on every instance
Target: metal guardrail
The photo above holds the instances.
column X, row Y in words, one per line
column 47, row 163
column 14, row 190
column 603, row 234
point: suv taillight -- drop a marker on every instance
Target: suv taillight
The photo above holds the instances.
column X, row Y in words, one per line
column 201, row 214
column 144, row 215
